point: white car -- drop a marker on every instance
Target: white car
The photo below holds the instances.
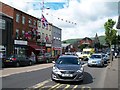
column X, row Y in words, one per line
column 79, row 54
column 96, row 60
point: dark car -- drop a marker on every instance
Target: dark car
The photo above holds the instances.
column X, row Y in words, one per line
column 44, row 57
column 68, row 68
column 17, row 60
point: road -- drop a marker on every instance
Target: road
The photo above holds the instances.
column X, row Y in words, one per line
column 40, row 78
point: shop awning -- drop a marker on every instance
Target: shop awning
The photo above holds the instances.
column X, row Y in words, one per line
column 36, row 47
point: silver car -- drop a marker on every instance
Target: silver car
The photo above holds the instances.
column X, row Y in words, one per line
column 96, row 60
column 68, row 68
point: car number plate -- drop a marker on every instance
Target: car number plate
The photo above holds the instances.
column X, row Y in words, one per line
column 7, row 60
column 93, row 61
column 67, row 75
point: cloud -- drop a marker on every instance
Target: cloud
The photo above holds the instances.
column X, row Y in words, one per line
column 90, row 15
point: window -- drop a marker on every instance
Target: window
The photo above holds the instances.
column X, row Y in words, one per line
column 2, row 24
column 42, row 36
column 38, row 35
column 39, row 23
column 50, row 37
column 30, row 21
column 34, row 22
column 17, row 18
column 17, row 33
column 23, row 20
column 23, row 32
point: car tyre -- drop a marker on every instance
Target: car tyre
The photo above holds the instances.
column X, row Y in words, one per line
column 17, row 64
column 30, row 63
column 47, row 61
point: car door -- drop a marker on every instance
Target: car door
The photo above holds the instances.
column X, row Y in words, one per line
column 23, row 59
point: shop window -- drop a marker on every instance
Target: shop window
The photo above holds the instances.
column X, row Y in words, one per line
column 2, row 24
column 23, row 20
column 17, row 18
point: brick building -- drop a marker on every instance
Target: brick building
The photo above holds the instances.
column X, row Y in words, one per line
column 27, row 32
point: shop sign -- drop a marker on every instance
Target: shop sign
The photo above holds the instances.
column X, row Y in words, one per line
column 48, row 45
column 57, row 48
column 20, row 42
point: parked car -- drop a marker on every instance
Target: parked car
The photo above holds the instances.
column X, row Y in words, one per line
column 45, row 57
column 96, row 60
column 79, row 54
column 106, row 58
column 67, row 68
column 18, row 60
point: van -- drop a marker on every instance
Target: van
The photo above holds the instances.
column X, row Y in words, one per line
column 86, row 53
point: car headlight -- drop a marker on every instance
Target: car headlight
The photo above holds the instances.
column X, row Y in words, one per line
column 89, row 61
column 81, row 70
column 56, row 70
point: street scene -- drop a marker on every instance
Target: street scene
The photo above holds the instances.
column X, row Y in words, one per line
column 59, row 45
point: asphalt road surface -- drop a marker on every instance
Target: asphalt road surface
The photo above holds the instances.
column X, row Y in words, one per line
column 94, row 77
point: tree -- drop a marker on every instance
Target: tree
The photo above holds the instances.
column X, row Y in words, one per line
column 110, row 33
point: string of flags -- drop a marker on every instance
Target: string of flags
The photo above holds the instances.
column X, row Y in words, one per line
column 63, row 19
column 36, row 6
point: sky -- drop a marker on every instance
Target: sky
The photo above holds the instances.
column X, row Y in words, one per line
column 76, row 18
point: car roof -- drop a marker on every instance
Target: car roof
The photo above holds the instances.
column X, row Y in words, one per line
column 66, row 56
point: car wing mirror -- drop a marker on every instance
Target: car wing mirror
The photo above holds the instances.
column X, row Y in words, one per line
column 53, row 62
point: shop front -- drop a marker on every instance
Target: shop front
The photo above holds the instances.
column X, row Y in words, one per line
column 34, row 49
column 20, row 47
column 56, row 51
column 48, row 48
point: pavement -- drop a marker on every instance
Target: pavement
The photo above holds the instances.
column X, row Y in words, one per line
column 10, row 71
column 112, row 79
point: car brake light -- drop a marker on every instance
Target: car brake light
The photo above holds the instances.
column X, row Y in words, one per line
column 13, row 58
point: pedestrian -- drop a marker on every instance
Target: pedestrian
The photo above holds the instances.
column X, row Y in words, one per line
column 115, row 54
column 33, row 56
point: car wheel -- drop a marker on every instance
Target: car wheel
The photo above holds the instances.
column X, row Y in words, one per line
column 47, row 61
column 102, row 65
column 30, row 63
column 17, row 64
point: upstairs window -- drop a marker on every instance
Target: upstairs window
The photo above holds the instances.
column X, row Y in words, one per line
column 30, row 21
column 39, row 24
column 23, row 20
column 34, row 22
column 17, row 18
